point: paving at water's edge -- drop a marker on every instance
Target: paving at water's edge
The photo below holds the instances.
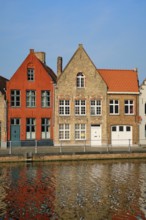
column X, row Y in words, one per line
column 31, row 154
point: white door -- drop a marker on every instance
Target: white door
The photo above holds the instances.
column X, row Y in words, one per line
column 95, row 135
column 121, row 135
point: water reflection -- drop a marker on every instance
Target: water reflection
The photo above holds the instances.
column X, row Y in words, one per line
column 74, row 190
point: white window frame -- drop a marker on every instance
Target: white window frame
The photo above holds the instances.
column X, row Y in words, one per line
column 95, row 107
column 45, row 98
column 80, row 80
column 64, row 132
column 31, row 98
column 80, row 107
column 30, row 74
column 15, row 98
column 130, row 106
column 80, row 131
column 64, row 107
column 114, row 103
column 45, row 128
column 30, row 128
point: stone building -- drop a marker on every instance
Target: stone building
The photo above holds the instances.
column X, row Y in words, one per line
column 80, row 102
column 3, row 113
column 30, row 97
column 95, row 106
column 142, row 113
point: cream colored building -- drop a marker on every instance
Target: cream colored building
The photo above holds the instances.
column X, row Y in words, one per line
column 80, row 103
column 3, row 113
column 142, row 113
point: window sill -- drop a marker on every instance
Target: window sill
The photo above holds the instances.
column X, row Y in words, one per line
column 64, row 115
column 64, row 139
column 96, row 115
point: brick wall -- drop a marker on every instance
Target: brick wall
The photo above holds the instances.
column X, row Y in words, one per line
column 95, row 88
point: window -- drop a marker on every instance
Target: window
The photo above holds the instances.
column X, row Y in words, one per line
column 64, row 107
column 45, row 99
column 128, row 128
column 30, row 128
column 30, row 74
column 15, row 98
column 121, row 128
column 80, row 131
column 80, row 80
column 45, row 128
column 30, row 98
column 64, row 132
column 129, row 107
column 15, row 121
column 114, row 128
column 95, row 107
column 80, row 107
column 114, row 107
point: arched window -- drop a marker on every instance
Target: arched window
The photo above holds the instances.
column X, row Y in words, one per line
column 80, row 81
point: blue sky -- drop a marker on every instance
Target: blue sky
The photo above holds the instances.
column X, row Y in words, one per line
column 113, row 32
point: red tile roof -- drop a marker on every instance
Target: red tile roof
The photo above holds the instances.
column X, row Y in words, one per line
column 120, row 80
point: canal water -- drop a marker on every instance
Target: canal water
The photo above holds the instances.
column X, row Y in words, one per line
column 94, row 190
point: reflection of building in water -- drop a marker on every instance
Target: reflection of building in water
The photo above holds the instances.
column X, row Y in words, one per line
column 79, row 191
column 96, row 190
column 31, row 194
column 3, row 181
column 142, row 182
column 126, row 190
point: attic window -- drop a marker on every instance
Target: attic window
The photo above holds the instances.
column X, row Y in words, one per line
column 30, row 74
column 80, row 80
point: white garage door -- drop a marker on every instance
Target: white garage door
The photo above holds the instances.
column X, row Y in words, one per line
column 121, row 135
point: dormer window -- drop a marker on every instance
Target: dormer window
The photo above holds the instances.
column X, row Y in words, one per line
column 80, row 83
column 30, row 74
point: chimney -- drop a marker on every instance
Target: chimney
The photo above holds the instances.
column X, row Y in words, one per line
column 31, row 50
column 59, row 66
column 41, row 56
column 135, row 69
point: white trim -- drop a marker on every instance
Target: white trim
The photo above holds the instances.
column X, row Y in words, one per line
column 134, row 93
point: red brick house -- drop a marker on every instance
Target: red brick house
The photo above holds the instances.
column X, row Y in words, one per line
column 30, row 97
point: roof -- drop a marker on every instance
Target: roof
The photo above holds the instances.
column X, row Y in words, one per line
column 3, row 84
column 47, row 68
column 120, row 80
column 49, row 71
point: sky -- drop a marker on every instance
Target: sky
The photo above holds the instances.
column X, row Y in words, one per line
column 113, row 32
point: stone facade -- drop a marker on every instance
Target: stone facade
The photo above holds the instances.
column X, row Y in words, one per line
column 142, row 113
column 3, row 113
column 66, row 89
column 3, row 121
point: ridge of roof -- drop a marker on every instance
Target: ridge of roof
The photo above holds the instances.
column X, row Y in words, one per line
column 107, row 69
column 48, row 69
